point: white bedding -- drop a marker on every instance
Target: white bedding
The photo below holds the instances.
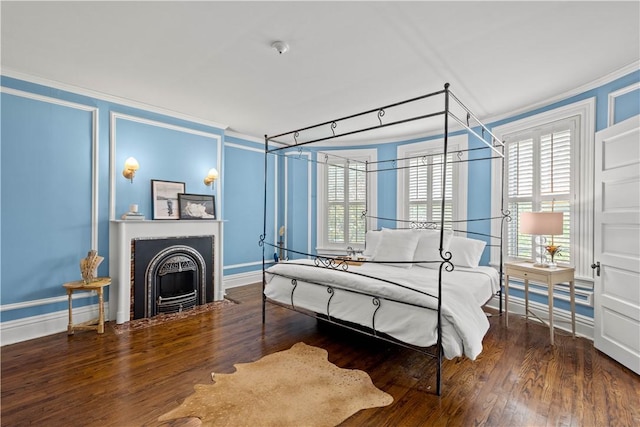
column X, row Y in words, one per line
column 464, row 292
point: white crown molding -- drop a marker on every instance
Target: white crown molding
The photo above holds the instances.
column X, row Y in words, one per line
column 635, row 66
column 244, row 137
column 110, row 98
column 243, row 147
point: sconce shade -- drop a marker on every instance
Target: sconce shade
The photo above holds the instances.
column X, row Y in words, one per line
column 211, row 176
column 541, row 223
column 131, row 163
column 130, row 167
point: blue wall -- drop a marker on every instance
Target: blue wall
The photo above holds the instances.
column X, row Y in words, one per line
column 54, row 145
column 46, row 198
column 47, row 195
column 244, row 205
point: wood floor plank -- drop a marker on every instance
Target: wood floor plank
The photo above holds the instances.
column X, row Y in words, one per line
column 131, row 378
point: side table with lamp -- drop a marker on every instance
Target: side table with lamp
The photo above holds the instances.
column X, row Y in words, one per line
column 541, row 224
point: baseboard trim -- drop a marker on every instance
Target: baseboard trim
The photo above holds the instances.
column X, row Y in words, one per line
column 561, row 318
column 28, row 328
column 242, row 279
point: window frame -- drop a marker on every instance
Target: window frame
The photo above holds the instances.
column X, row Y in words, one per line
column 538, row 198
column 582, row 159
column 460, row 176
column 362, row 155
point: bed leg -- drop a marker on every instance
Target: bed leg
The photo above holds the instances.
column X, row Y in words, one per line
column 439, row 374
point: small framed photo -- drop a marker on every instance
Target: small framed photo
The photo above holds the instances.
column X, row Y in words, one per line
column 197, row 206
column 164, row 198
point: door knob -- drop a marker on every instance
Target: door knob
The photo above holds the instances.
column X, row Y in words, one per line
column 596, row 266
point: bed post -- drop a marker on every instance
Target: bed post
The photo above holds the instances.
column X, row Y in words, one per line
column 264, row 228
column 442, row 255
column 365, row 214
column 502, row 221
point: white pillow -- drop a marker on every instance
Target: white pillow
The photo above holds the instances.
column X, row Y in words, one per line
column 466, row 252
column 428, row 248
column 372, row 239
column 396, row 245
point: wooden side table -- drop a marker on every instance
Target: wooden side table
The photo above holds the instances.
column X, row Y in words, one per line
column 97, row 285
column 549, row 276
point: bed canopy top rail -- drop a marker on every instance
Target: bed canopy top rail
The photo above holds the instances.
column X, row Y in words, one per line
column 381, row 111
column 353, row 132
column 374, row 166
column 467, row 125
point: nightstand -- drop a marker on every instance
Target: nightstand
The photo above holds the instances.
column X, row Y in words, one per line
column 549, row 276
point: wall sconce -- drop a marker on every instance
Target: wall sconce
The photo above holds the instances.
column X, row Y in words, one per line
column 130, row 167
column 211, row 177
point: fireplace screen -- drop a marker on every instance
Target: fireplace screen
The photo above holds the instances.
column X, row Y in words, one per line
column 171, row 275
column 176, row 284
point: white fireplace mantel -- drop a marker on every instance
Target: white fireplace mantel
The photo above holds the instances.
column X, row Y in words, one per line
column 120, row 235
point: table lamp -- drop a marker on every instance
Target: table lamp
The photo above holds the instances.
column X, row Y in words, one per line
column 541, row 224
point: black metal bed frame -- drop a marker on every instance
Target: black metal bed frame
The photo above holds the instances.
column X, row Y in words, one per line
column 495, row 145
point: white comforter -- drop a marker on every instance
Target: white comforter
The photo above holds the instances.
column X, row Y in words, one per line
column 464, row 291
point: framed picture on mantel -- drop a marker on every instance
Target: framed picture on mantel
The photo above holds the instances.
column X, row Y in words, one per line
column 197, row 206
column 164, row 198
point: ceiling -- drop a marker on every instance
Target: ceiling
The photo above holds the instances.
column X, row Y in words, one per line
column 213, row 60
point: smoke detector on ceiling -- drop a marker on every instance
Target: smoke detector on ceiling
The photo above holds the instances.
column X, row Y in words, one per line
column 280, row 46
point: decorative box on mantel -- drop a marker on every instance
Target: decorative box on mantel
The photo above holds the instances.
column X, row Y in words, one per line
column 121, row 235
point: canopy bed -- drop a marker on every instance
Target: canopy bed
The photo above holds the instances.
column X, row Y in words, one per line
column 418, row 284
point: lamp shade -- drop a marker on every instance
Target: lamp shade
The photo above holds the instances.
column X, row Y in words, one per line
column 131, row 164
column 541, row 223
column 213, row 174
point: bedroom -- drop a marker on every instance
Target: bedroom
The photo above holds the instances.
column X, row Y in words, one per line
column 137, row 118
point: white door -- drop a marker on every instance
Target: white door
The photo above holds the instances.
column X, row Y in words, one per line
column 617, row 243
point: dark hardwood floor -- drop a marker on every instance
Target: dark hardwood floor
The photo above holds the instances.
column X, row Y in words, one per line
column 130, row 379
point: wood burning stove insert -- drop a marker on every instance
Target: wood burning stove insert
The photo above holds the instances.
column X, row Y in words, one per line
column 171, row 274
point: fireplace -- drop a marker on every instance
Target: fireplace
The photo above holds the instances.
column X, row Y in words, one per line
column 171, row 274
column 125, row 235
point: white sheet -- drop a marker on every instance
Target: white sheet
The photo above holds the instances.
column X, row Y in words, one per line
column 465, row 290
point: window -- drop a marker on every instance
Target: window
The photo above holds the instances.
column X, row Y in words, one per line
column 549, row 166
column 424, row 188
column 539, row 178
column 342, row 190
column 346, row 201
column 420, row 176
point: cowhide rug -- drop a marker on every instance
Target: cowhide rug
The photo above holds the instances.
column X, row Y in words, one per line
column 295, row 387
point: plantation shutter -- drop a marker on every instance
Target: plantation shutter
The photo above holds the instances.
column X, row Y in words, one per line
column 539, row 177
column 346, row 201
column 425, row 193
column 335, row 199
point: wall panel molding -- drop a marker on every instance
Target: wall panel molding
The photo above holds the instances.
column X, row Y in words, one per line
column 611, row 101
column 94, row 148
column 113, row 173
